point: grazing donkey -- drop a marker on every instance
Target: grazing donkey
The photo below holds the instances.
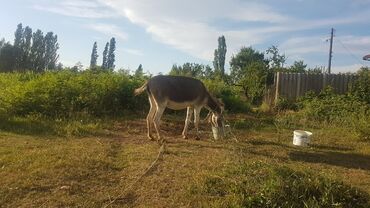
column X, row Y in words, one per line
column 177, row 92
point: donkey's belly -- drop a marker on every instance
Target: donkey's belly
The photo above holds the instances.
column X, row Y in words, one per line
column 178, row 106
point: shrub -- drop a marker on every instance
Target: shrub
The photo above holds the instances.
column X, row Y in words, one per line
column 361, row 87
column 328, row 108
column 229, row 95
column 67, row 93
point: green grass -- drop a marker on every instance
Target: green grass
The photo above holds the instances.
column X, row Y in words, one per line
column 40, row 167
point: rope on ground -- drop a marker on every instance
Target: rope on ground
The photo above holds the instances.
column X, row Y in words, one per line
column 148, row 169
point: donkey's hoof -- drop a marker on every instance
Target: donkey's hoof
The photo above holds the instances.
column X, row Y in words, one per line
column 197, row 137
column 151, row 138
column 184, row 137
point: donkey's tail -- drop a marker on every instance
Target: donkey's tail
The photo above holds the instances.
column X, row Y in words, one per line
column 141, row 89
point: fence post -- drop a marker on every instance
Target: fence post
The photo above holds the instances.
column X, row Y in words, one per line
column 277, row 87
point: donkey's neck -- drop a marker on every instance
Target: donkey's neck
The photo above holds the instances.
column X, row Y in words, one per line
column 213, row 105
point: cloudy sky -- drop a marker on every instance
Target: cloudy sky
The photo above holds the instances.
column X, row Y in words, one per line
column 160, row 33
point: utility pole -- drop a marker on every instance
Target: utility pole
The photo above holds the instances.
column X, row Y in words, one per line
column 330, row 50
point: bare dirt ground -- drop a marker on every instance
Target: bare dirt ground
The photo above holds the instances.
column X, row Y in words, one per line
column 96, row 170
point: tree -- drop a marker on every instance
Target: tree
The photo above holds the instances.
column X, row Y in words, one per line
column 219, row 56
column 105, row 56
column 2, row 42
column 111, row 55
column 77, row 67
column 94, row 56
column 139, row 71
column 276, row 60
column 7, row 57
column 51, row 49
column 297, row 67
column 249, row 69
column 189, row 70
column 38, row 51
column 18, row 43
column 26, row 48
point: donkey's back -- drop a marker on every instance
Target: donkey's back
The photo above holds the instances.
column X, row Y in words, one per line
column 177, row 89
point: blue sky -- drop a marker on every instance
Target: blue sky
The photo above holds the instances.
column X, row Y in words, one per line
column 160, row 33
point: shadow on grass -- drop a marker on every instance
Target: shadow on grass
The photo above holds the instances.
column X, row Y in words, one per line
column 329, row 147
column 346, row 160
column 267, row 143
column 26, row 126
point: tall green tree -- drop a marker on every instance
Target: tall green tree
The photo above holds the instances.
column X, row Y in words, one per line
column 2, row 42
column 51, row 51
column 38, row 51
column 276, row 59
column 26, row 48
column 94, row 56
column 139, row 71
column 111, row 54
column 18, row 43
column 104, row 65
column 7, row 57
column 219, row 56
column 249, row 69
column 298, row 67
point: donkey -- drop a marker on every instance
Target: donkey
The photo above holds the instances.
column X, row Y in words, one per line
column 177, row 92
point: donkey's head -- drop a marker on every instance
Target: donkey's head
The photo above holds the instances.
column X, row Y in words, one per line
column 217, row 118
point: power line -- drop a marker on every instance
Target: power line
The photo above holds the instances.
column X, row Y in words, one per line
column 353, row 56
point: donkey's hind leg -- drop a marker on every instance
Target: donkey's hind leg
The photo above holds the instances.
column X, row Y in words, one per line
column 157, row 118
column 150, row 117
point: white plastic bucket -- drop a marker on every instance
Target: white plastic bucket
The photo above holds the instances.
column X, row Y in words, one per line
column 301, row 138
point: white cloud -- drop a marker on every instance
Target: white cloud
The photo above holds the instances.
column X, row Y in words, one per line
column 76, row 8
column 109, row 29
column 186, row 26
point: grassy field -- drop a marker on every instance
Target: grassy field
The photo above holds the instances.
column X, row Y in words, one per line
column 260, row 169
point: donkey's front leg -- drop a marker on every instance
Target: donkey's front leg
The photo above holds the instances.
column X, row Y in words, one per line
column 196, row 121
column 189, row 113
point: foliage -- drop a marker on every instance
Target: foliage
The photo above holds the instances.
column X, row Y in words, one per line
column 249, row 69
column 219, row 57
column 30, row 51
column 361, row 87
column 111, row 56
column 276, row 60
column 230, row 95
column 104, row 65
column 298, row 67
column 330, row 109
column 94, row 56
column 7, row 57
column 66, row 93
column 195, row 70
column 277, row 186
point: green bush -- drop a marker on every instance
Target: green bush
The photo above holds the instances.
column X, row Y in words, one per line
column 264, row 185
column 361, row 87
column 327, row 108
column 230, row 96
column 67, row 93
